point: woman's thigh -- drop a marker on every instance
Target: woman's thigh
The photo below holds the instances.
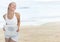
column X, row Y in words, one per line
column 7, row 39
column 12, row 40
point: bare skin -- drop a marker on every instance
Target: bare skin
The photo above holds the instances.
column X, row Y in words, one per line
column 10, row 15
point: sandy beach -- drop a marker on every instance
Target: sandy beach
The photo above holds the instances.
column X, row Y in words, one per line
column 49, row 32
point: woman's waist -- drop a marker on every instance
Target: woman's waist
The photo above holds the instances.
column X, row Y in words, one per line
column 11, row 27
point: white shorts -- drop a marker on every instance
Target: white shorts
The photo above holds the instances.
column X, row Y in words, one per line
column 13, row 37
column 11, row 34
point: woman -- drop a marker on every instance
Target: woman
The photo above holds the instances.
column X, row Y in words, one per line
column 12, row 26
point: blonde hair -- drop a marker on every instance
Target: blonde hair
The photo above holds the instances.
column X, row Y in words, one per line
column 10, row 4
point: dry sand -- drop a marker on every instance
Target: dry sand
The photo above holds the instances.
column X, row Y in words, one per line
column 49, row 32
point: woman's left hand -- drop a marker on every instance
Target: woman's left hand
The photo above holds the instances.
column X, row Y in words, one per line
column 17, row 30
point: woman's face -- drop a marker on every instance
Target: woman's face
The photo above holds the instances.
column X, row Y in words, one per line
column 12, row 6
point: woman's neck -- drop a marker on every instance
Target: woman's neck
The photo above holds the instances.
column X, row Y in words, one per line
column 10, row 12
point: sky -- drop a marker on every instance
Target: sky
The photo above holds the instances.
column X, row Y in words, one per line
column 47, row 0
column 5, row 3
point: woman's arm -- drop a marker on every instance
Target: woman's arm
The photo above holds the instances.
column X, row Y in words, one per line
column 4, row 19
column 18, row 21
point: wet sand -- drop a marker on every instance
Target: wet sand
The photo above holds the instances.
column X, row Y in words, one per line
column 49, row 32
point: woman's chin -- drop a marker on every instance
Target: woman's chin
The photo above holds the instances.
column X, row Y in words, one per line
column 12, row 10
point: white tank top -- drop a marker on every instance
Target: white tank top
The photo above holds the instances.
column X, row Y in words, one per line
column 12, row 21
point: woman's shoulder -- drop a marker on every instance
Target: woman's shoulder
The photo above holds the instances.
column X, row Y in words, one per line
column 17, row 14
column 4, row 16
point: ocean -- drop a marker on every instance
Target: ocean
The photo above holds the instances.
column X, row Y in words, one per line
column 34, row 12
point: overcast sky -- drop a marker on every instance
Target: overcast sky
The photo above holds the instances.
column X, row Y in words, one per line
column 20, row 2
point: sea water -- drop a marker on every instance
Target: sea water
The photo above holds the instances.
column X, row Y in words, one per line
column 35, row 12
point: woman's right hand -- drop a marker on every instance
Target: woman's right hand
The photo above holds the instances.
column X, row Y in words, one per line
column 3, row 29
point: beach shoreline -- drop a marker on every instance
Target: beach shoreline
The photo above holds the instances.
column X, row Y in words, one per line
column 49, row 32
